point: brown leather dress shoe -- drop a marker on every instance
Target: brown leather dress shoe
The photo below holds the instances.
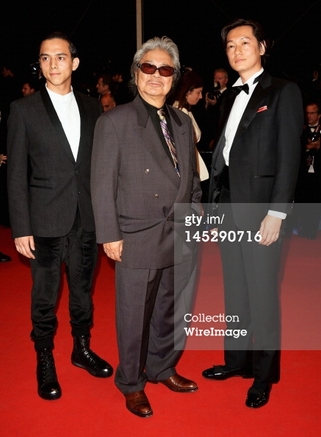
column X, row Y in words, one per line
column 180, row 384
column 137, row 403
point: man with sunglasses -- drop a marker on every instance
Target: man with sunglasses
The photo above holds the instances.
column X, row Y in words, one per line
column 139, row 172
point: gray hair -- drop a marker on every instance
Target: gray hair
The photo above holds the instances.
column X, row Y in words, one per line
column 164, row 43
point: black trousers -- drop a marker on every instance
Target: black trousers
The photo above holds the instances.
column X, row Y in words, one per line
column 78, row 250
column 251, row 292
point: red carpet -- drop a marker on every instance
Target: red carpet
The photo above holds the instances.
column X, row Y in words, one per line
column 94, row 407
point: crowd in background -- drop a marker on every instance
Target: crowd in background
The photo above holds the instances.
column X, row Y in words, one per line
column 110, row 86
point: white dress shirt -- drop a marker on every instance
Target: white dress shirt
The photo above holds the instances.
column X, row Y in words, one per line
column 238, row 108
column 68, row 113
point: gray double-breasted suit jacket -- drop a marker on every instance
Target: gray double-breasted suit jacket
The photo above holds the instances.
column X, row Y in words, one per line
column 135, row 186
column 46, row 184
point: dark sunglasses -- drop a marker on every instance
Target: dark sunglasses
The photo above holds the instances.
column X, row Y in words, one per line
column 164, row 70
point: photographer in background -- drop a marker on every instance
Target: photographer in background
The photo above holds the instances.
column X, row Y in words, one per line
column 308, row 192
column 208, row 116
column 220, row 79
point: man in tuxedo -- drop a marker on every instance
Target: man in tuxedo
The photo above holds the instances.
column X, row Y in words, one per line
column 308, row 190
column 143, row 163
column 255, row 166
column 50, row 137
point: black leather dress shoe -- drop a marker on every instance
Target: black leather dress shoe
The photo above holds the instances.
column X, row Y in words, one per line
column 257, row 397
column 137, row 403
column 4, row 258
column 48, row 385
column 179, row 384
column 82, row 356
column 220, row 373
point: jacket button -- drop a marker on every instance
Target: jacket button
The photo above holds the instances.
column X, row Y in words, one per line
column 156, row 196
column 146, row 170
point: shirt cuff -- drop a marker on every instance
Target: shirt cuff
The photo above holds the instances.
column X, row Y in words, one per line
column 281, row 215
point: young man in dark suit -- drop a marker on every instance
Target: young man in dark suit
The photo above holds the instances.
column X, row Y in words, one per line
column 50, row 137
column 255, row 167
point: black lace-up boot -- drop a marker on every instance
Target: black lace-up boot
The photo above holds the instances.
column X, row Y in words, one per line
column 48, row 385
column 82, row 356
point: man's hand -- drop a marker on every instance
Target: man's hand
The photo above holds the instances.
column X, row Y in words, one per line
column 114, row 250
column 270, row 230
column 313, row 145
column 3, row 159
column 210, row 102
column 25, row 245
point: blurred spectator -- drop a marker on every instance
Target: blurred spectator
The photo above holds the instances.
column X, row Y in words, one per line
column 104, row 84
column 308, row 191
column 9, row 91
column 220, row 80
column 3, row 159
column 208, row 114
column 28, row 87
column 188, row 93
column 121, row 90
column 312, row 89
column 107, row 102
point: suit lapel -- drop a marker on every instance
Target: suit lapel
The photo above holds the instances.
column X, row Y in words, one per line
column 151, row 141
column 181, row 141
column 217, row 159
column 185, row 155
column 259, row 94
column 83, row 128
column 56, row 123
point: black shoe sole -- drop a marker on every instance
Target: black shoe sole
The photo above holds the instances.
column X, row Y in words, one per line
column 93, row 372
column 224, row 377
column 49, row 397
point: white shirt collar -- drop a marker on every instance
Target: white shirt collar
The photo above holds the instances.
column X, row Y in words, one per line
column 251, row 80
column 59, row 97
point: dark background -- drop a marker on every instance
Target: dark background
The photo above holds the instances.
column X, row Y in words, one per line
column 105, row 32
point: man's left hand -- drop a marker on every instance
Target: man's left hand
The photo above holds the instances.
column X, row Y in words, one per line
column 270, row 230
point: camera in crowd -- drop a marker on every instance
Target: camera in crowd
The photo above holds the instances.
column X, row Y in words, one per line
column 215, row 92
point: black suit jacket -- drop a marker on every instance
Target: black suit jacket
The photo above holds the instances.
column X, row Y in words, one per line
column 45, row 183
column 265, row 154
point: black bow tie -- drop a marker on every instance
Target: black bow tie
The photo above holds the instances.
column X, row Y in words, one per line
column 239, row 88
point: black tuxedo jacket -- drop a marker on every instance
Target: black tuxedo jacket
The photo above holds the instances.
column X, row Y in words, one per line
column 45, row 183
column 265, row 154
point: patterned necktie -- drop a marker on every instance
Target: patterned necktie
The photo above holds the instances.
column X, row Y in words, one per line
column 239, row 88
column 168, row 138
